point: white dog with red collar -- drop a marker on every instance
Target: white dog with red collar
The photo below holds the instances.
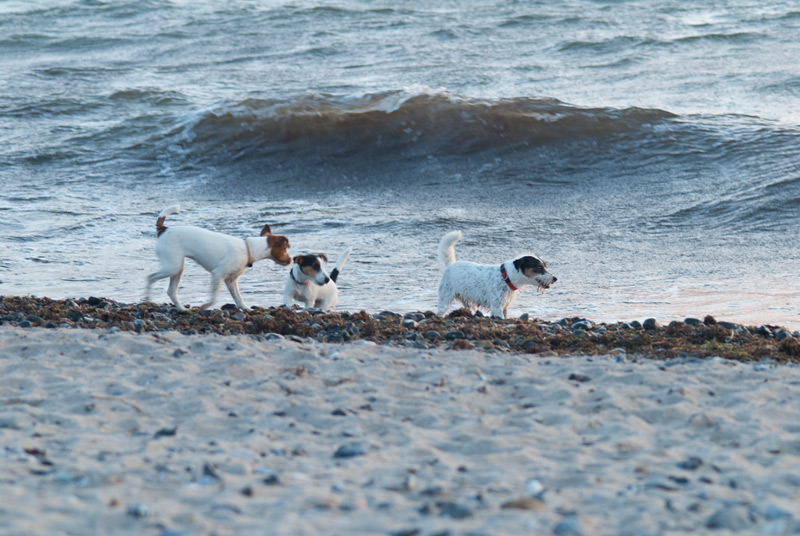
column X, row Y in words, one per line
column 483, row 285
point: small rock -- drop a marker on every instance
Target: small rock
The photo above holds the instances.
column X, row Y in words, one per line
column 453, row 335
column 693, row 321
column 350, row 450
column 568, row 526
column 454, row 510
column 524, row 503
column 581, row 324
column 691, row 463
column 729, row 518
column 75, row 315
column 409, row 323
column 579, row 378
column 272, row 480
column 138, row 510
column 651, row 324
column 166, row 432
column 432, row 335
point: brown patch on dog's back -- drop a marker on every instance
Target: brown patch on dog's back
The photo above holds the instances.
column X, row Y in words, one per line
column 160, row 228
column 277, row 245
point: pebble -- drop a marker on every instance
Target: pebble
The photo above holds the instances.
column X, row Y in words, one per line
column 730, row 518
column 350, row 450
column 651, row 324
column 691, row 463
column 454, row 510
column 138, row 510
column 579, row 378
column 524, row 503
column 568, row 526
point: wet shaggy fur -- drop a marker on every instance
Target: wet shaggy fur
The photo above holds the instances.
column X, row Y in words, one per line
column 483, row 285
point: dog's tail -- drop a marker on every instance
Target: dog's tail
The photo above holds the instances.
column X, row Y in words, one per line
column 447, row 252
column 340, row 264
column 160, row 228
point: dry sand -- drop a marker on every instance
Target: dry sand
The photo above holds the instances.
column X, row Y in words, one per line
column 109, row 432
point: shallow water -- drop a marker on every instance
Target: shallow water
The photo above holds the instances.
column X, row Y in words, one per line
column 647, row 150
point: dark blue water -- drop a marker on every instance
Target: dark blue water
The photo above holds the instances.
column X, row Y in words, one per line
column 649, row 151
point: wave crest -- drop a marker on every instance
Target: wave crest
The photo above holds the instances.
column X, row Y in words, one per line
column 409, row 123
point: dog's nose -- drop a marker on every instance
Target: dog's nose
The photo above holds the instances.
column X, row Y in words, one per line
column 326, row 280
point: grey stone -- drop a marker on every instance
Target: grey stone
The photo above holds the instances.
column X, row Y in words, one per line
column 650, row 324
column 693, row 321
column 691, row 463
column 729, row 518
column 579, row 377
column 454, row 510
column 409, row 323
column 350, row 450
column 568, row 526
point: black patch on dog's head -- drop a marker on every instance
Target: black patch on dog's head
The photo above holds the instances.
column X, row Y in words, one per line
column 530, row 263
column 310, row 261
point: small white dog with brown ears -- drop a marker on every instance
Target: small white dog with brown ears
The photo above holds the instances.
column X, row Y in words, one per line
column 486, row 285
column 225, row 257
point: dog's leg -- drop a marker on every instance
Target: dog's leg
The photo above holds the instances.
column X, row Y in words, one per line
column 445, row 299
column 233, row 287
column 152, row 278
column 498, row 310
column 216, row 279
column 172, row 290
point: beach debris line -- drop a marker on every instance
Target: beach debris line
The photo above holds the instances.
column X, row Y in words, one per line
column 460, row 330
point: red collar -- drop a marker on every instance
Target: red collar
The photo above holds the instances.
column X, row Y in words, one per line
column 505, row 277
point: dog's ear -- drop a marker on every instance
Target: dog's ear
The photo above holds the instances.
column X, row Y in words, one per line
column 274, row 241
column 323, row 257
column 298, row 259
column 518, row 264
column 266, row 230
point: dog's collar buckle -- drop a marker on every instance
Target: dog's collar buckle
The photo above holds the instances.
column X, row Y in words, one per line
column 505, row 277
column 249, row 257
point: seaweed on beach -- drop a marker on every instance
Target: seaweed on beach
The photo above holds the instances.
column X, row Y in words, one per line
column 460, row 330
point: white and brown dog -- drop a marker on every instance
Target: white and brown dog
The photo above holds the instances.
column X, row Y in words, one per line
column 310, row 284
column 225, row 257
column 489, row 286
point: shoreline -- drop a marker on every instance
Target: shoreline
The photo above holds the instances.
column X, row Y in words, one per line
column 459, row 330
column 162, row 433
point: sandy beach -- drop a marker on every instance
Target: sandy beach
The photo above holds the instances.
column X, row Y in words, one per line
column 109, row 432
